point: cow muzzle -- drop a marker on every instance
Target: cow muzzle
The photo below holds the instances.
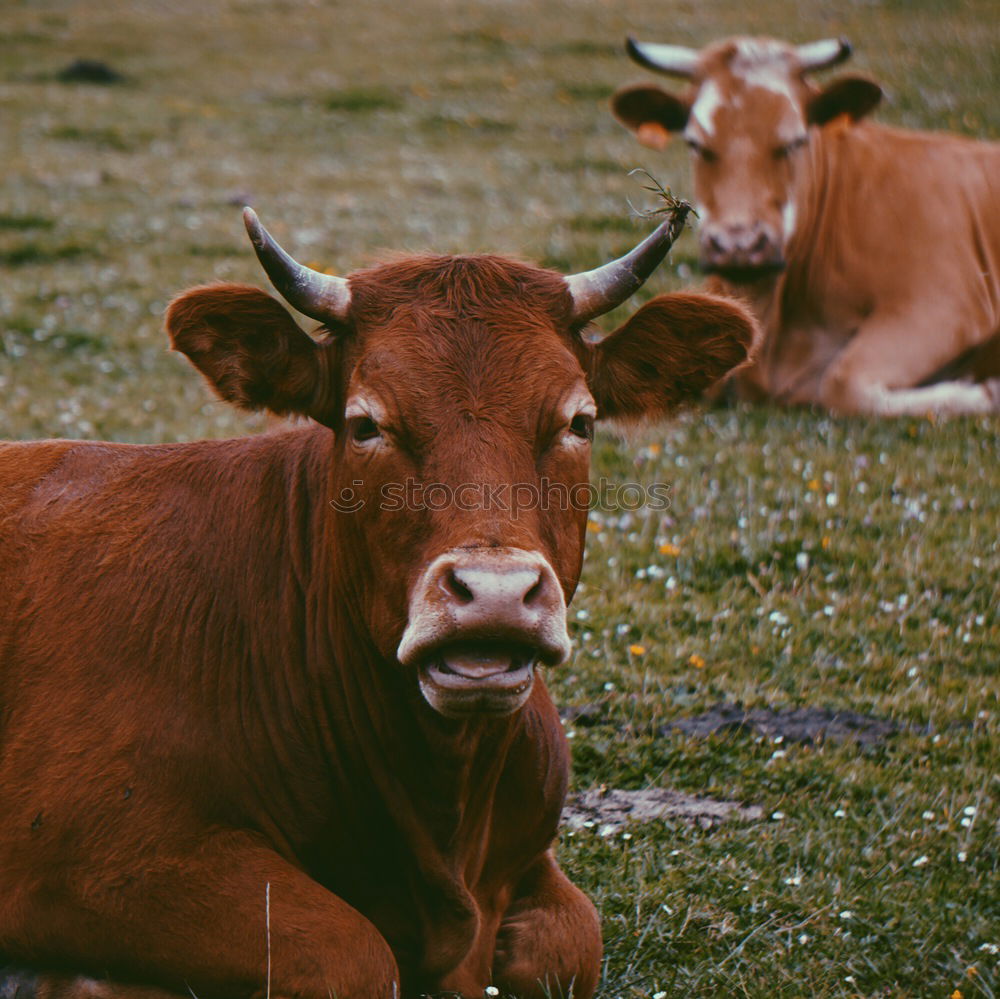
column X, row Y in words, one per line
column 481, row 621
column 741, row 253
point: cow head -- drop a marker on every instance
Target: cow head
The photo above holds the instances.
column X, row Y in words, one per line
column 461, row 399
column 746, row 117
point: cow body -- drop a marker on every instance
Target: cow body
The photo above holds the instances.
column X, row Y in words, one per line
column 263, row 732
column 870, row 254
column 210, row 640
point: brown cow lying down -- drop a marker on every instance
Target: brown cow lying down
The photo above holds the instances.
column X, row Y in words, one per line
column 264, row 728
column 871, row 255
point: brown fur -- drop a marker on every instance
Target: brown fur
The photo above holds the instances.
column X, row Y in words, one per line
column 213, row 768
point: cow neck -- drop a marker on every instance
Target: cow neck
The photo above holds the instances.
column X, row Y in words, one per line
column 431, row 773
column 777, row 301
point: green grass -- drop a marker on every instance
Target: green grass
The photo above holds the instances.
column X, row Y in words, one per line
column 803, row 561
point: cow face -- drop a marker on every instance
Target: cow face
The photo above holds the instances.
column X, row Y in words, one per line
column 746, row 118
column 461, row 400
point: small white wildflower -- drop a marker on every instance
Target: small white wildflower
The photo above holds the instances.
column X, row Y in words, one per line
column 846, row 914
column 589, row 824
column 966, row 823
column 989, row 948
column 659, row 995
column 671, row 583
column 492, row 990
column 776, row 617
column 832, row 499
column 571, row 733
column 912, row 672
column 969, row 810
column 777, row 816
column 666, row 908
column 802, row 561
column 609, row 686
column 828, row 610
column 927, row 816
column 778, row 740
column 582, row 614
column 849, row 979
column 606, row 830
column 626, row 835
column 778, row 754
column 962, row 856
column 840, row 814
column 675, row 853
column 921, row 860
column 622, row 629
column 803, row 938
column 795, row 880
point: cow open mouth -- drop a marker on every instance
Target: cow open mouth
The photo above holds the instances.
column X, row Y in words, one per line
column 478, row 678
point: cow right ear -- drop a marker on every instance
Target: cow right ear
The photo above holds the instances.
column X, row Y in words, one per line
column 651, row 113
column 252, row 352
column 854, row 96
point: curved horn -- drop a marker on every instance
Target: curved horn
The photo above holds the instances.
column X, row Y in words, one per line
column 822, row 55
column 319, row 296
column 676, row 60
column 600, row 290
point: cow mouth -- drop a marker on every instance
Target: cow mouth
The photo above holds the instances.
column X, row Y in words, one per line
column 463, row 679
column 745, row 273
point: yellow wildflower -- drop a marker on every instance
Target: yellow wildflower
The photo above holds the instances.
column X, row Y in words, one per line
column 696, row 661
column 668, row 549
column 637, row 650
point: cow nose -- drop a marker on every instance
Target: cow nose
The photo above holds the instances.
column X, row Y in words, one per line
column 488, row 591
column 733, row 246
column 507, row 594
column 494, row 594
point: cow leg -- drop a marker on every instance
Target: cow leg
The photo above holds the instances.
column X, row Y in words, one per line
column 23, row 984
column 229, row 919
column 549, row 943
column 880, row 372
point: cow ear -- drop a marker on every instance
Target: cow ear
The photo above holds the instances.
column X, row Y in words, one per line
column 252, row 352
column 668, row 353
column 854, row 96
column 650, row 112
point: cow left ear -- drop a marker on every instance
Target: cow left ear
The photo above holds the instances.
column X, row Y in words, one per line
column 252, row 352
column 667, row 354
column 855, row 96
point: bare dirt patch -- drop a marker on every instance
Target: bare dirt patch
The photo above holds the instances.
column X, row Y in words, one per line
column 610, row 810
column 810, row 725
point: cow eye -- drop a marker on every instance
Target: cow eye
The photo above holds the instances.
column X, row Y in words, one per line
column 701, row 151
column 364, row 428
column 582, row 426
column 783, row 152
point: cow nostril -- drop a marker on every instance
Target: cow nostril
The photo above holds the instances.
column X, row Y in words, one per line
column 760, row 244
column 457, row 588
column 534, row 593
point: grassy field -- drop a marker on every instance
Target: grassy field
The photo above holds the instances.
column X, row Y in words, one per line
column 804, row 561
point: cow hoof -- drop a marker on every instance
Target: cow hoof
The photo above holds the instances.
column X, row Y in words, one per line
column 17, row 983
column 992, row 387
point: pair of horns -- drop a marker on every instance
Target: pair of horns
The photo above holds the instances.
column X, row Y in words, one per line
column 678, row 60
column 327, row 298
